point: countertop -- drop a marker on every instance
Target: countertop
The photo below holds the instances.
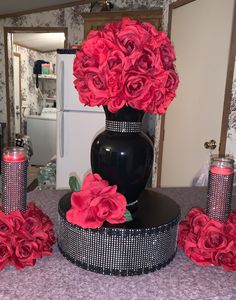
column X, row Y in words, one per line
column 56, row 278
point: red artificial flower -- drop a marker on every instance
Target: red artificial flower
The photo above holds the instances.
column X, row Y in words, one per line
column 25, row 237
column 208, row 241
column 126, row 63
column 26, row 253
column 96, row 203
column 5, row 224
column 212, row 237
column 226, row 257
column 5, row 252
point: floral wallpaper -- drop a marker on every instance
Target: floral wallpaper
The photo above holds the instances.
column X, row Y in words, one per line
column 32, row 102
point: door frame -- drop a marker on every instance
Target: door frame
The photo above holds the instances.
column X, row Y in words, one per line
column 20, row 99
column 227, row 94
column 11, row 30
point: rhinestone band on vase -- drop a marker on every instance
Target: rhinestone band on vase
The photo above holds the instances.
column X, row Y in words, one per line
column 123, row 126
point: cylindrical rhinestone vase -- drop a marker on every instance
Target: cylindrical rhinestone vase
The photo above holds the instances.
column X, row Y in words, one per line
column 123, row 154
column 14, row 179
column 220, row 185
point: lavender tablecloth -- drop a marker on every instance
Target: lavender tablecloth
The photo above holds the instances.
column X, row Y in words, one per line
column 56, row 278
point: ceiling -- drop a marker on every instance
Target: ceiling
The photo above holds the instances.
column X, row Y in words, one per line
column 40, row 41
column 14, row 6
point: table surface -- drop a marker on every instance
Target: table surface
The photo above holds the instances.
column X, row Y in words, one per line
column 56, row 278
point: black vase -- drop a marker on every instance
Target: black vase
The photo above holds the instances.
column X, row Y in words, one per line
column 123, row 154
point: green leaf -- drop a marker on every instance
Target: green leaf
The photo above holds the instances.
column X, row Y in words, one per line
column 74, row 184
column 128, row 215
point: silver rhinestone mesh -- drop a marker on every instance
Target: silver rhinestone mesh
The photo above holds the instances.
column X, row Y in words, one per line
column 219, row 196
column 118, row 251
column 14, row 186
column 123, row 126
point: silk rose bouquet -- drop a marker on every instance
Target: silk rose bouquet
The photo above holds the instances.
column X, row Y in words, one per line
column 127, row 63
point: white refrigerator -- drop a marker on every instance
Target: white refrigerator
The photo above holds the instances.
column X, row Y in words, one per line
column 77, row 125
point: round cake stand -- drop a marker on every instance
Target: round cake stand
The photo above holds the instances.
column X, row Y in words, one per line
column 143, row 245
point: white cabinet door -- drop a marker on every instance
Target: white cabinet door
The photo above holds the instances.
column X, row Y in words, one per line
column 75, row 134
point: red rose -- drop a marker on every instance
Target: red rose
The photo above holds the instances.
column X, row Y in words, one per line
column 26, row 253
column 150, row 29
column 230, row 229
column 131, row 36
column 147, row 61
column 32, row 225
column 212, row 236
column 45, row 245
column 16, row 220
column 167, row 55
column 51, row 236
column 199, row 256
column 136, row 88
column 172, row 81
column 155, row 104
column 97, row 84
column 5, row 224
column 115, row 104
column 84, row 63
column 91, row 42
column 198, row 223
column 232, row 217
column 94, row 183
column 95, row 203
column 115, row 61
column 192, row 225
column 193, row 213
column 34, row 212
column 226, row 257
column 5, row 252
column 184, row 229
column 113, row 83
column 93, row 89
column 81, row 85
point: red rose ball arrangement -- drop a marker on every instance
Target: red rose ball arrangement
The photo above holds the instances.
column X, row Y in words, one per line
column 207, row 241
column 127, row 63
column 25, row 237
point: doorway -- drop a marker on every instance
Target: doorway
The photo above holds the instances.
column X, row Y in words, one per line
column 32, row 40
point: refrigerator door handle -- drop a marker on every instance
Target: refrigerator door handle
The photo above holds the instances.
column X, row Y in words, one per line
column 61, row 134
column 61, row 85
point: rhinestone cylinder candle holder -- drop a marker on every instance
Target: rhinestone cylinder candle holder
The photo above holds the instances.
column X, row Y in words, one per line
column 14, row 179
column 220, row 185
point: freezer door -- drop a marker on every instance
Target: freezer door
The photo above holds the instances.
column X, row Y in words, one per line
column 67, row 95
column 75, row 133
